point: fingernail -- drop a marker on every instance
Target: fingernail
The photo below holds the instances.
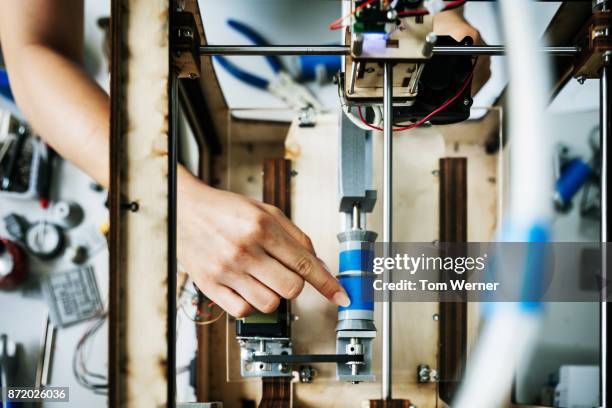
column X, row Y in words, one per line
column 341, row 298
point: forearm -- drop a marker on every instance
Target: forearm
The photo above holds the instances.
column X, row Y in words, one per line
column 65, row 106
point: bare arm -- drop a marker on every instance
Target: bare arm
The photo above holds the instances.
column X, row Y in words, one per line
column 42, row 42
column 243, row 254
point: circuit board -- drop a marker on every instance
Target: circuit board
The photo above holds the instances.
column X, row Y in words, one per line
column 72, row 296
column 373, row 16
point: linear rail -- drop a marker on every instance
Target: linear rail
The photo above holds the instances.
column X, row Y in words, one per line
column 308, row 358
column 345, row 50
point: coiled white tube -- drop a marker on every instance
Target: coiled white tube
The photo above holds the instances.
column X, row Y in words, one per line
column 510, row 329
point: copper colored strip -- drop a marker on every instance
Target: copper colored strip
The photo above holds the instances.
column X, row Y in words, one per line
column 277, row 191
column 390, row 404
column 453, row 316
column 276, row 392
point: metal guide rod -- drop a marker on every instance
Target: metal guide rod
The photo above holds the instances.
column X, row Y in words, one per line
column 605, row 124
column 387, row 363
column 172, row 236
column 345, row 50
column 356, row 221
column 274, row 50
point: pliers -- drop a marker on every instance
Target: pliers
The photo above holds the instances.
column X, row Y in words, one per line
column 5, row 87
column 296, row 95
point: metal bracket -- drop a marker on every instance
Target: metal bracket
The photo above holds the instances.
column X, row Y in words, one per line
column 594, row 41
column 257, row 357
column 185, row 45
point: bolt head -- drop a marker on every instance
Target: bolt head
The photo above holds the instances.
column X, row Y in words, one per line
column 246, row 354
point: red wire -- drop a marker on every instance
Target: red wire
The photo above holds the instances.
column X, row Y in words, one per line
column 423, row 12
column 432, row 114
column 335, row 24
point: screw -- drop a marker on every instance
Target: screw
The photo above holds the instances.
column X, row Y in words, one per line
column 436, row 317
column 96, row 187
column 246, row 354
column 306, row 374
column 132, row 206
column 466, row 102
column 581, row 79
column 423, row 373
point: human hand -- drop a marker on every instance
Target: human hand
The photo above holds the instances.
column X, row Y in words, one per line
column 453, row 23
column 243, row 254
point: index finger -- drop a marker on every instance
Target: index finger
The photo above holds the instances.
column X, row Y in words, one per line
column 283, row 247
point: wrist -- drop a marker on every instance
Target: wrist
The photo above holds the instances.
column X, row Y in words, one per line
column 187, row 184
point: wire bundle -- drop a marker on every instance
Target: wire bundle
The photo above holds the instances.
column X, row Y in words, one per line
column 97, row 383
column 337, row 24
column 201, row 318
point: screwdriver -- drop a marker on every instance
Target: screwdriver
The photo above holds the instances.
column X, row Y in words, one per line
column 45, row 189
